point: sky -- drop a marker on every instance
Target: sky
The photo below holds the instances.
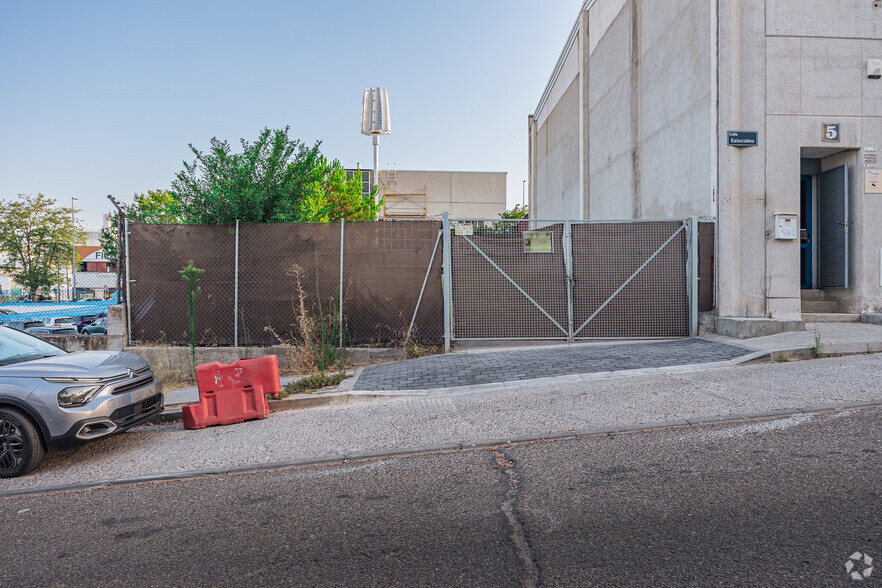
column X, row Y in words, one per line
column 102, row 98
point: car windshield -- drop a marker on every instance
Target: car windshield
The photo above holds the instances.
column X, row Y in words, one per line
column 64, row 320
column 16, row 347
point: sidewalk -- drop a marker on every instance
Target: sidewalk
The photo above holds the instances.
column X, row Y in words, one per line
column 498, row 366
column 468, row 416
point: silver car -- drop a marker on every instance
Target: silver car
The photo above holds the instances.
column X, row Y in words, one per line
column 52, row 399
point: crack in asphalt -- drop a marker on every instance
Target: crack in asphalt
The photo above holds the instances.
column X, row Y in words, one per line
column 509, row 509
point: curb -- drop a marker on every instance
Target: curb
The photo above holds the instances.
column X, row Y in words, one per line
column 438, row 448
column 801, row 353
column 174, row 413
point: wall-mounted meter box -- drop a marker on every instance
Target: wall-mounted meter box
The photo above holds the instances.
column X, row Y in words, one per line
column 786, row 225
column 874, row 69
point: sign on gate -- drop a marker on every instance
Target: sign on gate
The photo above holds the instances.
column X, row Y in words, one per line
column 538, row 242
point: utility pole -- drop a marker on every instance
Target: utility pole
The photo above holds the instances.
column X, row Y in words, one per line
column 73, row 264
column 120, row 226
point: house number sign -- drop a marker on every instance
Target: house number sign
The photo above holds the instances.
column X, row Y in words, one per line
column 831, row 133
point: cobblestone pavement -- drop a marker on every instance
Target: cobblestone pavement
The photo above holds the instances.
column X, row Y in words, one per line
column 444, row 371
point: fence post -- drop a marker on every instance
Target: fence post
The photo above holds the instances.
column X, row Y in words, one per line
column 568, row 264
column 692, row 273
column 236, row 293
column 340, row 326
column 128, row 286
column 446, row 283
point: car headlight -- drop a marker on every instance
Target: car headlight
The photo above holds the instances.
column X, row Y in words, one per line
column 77, row 395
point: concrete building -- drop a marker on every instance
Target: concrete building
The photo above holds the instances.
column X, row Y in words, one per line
column 417, row 194
column 738, row 110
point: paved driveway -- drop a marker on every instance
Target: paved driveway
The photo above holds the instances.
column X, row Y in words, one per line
column 445, row 371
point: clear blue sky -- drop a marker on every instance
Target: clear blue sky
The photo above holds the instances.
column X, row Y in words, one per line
column 102, row 98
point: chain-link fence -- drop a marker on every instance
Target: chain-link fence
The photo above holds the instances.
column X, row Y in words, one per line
column 355, row 283
column 373, row 283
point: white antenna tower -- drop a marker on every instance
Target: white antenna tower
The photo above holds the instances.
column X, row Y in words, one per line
column 375, row 122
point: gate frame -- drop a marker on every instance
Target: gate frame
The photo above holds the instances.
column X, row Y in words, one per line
column 689, row 225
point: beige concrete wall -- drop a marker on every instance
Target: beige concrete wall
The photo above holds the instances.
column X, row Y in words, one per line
column 611, row 159
column 643, row 103
column 462, row 194
column 556, row 167
column 662, row 82
column 557, row 153
column 650, row 110
column 786, row 67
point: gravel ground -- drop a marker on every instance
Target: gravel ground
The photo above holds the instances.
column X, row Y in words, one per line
column 464, row 417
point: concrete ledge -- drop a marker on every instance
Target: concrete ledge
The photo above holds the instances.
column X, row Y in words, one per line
column 167, row 361
column 747, row 328
column 86, row 342
column 872, row 318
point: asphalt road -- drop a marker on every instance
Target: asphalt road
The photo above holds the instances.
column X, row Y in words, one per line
column 771, row 502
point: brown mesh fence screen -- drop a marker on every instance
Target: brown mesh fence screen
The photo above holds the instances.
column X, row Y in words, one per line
column 159, row 300
column 279, row 266
column 500, row 288
column 629, row 281
column 611, row 298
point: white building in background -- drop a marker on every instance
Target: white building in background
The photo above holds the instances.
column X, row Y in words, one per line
column 418, row 194
column 765, row 115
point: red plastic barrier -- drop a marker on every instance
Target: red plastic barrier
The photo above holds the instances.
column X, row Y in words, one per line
column 233, row 392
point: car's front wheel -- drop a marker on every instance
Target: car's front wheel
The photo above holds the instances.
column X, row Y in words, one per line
column 20, row 447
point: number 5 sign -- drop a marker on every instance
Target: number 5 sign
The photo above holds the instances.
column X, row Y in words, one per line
column 831, row 132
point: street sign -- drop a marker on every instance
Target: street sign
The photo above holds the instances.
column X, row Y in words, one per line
column 831, row 133
column 743, row 138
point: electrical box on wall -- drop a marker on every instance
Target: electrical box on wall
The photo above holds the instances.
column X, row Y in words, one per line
column 874, row 68
column 786, row 225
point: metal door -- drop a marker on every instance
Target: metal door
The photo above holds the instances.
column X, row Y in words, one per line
column 832, row 239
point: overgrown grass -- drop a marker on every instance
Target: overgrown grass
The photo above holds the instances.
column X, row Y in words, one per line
column 310, row 384
column 320, row 343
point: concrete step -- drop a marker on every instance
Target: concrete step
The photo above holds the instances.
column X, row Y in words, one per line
column 830, row 317
column 813, row 295
column 818, row 306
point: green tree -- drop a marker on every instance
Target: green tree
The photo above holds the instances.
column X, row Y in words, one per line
column 156, row 206
column 264, row 183
column 36, row 236
column 334, row 197
column 517, row 212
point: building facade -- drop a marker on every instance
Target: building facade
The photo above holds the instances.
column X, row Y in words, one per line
column 764, row 115
column 421, row 194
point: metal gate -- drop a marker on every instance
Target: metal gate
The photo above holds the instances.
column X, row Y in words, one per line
column 547, row 279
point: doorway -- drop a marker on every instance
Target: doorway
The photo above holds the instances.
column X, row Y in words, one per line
column 805, row 232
